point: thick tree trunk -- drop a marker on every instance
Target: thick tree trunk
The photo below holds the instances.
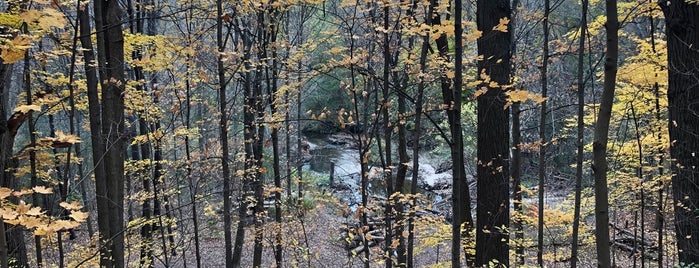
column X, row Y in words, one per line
column 493, row 135
column 682, row 21
column 106, row 124
column 599, row 146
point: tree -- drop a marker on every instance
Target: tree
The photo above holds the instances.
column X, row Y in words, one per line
column 599, row 145
column 231, row 259
column 542, row 133
column 494, row 49
column 580, row 136
column 682, row 19
column 451, row 97
column 107, row 117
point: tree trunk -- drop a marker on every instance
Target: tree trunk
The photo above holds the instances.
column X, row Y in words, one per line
column 493, row 136
column 416, row 139
column 542, row 135
column 91, row 83
column 599, row 146
column 388, row 132
column 109, row 121
column 682, row 21
column 223, row 136
column 581, row 136
column 248, row 136
column 659, row 216
column 6, row 141
column 258, row 147
column 516, row 163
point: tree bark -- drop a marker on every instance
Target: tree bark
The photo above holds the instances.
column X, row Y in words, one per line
column 682, row 21
column 223, row 136
column 599, row 146
column 110, row 152
column 493, row 135
column 542, row 135
column 580, row 136
column 416, row 139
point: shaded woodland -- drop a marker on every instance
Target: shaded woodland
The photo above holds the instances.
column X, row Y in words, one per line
column 328, row 133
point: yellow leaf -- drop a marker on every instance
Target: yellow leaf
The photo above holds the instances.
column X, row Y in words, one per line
column 29, row 222
column 474, row 35
column 26, row 108
column 31, row 16
column 52, row 18
column 395, row 243
column 42, row 232
column 42, row 190
column 8, row 214
column 502, row 26
column 35, row 211
column 5, row 192
column 64, row 224
column 79, row 216
column 22, row 208
column 75, row 205
column 14, row 51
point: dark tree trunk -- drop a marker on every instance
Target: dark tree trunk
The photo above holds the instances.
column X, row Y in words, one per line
column 493, row 135
column 599, row 146
column 451, row 97
column 12, row 245
column 91, row 83
column 388, row 131
column 659, row 215
column 682, row 21
column 6, row 141
column 580, row 138
column 258, row 107
column 109, row 172
column 516, row 163
column 248, row 136
column 542, row 134
column 223, row 136
column 416, row 140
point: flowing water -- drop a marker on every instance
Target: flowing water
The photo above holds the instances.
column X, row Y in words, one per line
column 347, row 171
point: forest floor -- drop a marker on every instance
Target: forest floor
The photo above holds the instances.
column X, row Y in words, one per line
column 315, row 241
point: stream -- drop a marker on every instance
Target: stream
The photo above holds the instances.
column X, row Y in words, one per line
column 323, row 151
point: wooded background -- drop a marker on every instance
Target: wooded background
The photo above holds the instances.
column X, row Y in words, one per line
column 182, row 133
